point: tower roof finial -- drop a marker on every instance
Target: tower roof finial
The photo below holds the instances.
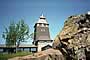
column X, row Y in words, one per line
column 42, row 15
column 42, row 19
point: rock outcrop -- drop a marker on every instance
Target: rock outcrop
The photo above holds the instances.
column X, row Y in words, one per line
column 74, row 39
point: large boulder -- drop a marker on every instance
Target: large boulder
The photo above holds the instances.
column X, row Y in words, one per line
column 49, row 54
column 74, row 38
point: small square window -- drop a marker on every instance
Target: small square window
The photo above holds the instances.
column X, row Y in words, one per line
column 42, row 30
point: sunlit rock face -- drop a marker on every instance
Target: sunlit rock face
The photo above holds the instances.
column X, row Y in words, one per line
column 74, row 35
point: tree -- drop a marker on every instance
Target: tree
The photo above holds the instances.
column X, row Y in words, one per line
column 22, row 32
column 9, row 34
column 16, row 33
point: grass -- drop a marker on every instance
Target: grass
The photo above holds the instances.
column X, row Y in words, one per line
column 7, row 56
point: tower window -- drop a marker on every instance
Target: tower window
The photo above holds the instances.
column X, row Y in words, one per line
column 46, row 25
column 42, row 25
column 37, row 24
column 42, row 30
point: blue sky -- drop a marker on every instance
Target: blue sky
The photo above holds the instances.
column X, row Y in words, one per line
column 56, row 12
